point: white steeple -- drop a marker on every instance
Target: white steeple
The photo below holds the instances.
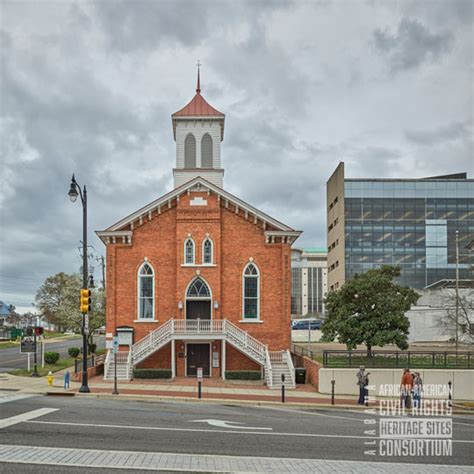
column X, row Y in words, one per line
column 198, row 131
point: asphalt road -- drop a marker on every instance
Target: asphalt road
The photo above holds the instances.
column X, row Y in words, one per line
column 11, row 359
column 126, row 426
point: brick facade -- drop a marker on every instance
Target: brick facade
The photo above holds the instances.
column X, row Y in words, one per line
column 240, row 234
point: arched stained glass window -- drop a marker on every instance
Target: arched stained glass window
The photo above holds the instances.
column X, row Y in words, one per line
column 251, row 292
column 190, row 151
column 189, row 251
column 206, row 151
column 207, row 251
column 198, row 289
column 146, row 292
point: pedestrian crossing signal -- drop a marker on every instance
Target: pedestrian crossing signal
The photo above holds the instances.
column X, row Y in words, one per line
column 85, row 300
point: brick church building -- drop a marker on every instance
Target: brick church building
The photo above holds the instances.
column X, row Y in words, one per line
column 199, row 278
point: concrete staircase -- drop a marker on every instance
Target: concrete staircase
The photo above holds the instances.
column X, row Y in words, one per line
column 124, row 367
column 275, row 363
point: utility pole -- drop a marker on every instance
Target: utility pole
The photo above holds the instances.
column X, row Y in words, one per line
column 457, row 291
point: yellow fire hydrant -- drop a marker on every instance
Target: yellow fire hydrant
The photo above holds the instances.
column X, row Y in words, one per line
column 50, row 378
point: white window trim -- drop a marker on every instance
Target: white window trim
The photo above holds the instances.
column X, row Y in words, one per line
column 212, row 251
column 139, row 319
column 194, row 251
column 257, row 319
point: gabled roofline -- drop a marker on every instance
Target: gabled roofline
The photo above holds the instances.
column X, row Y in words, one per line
column 143, row 212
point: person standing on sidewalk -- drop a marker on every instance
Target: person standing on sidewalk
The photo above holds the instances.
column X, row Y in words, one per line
column 417, row 390
column 361, row 382
column 406, row 385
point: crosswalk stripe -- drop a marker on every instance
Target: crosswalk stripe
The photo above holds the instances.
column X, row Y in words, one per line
column 144, row 461
column 13, row 398
column 29, row 415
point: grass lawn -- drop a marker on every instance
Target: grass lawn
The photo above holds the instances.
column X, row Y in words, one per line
column 9, row 344
column 59, row 365
column 415, row 362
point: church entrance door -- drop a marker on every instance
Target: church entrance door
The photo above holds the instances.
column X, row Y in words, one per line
column 196, row 309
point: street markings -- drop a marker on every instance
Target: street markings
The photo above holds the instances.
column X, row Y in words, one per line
column 154, row 461
column 193, row 430
column 29, row 415
column 228, row 424
column 8, row 397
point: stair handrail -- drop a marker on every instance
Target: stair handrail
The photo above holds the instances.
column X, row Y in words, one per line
column 268, row 368
column 291, row 367
column 129, row 365
column 249, row 341
column 140, row 347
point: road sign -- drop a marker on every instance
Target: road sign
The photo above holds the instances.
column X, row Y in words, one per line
column 27, row 345
column 115, row 345
column 199, row 373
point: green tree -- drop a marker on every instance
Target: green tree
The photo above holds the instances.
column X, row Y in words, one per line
column 369, row 309
column 58, row 301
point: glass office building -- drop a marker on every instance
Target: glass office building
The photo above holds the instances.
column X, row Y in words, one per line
column 308, row 282
column 409, row 223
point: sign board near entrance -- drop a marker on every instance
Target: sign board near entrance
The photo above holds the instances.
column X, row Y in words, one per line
column 199, row 373
column 27, row 345
column 115, row 347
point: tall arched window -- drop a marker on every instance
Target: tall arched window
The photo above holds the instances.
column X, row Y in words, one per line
column 251, row 292
column 207, row 251
column 189, row 251
column 190, row 151
column 206, row 151
column 146, row 292
column 198, row 289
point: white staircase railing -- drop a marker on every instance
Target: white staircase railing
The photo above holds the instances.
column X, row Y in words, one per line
column 226, row 330
column 291, row 367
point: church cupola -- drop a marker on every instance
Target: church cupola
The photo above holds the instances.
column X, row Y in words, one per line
column 198, row 130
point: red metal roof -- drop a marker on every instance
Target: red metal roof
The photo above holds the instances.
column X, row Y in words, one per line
column 198, row 107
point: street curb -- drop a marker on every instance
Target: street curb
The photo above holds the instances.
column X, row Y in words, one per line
column 227, row 401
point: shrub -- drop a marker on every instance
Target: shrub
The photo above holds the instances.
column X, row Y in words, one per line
column 51, row 357
column 243, row 375
column 92, row 348
column 74, row 351
column 152, row 374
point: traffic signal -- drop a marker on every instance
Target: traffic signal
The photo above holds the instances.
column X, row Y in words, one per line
column 85, row 300
column 38, row 331
column 29, row 331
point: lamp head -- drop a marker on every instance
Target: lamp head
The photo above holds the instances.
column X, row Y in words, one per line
column 73, row 190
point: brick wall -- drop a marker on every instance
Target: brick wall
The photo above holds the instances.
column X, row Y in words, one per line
column 236, row 241
column 312, row 369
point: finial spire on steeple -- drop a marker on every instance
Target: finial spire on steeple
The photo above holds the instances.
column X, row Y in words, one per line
column 198, row 87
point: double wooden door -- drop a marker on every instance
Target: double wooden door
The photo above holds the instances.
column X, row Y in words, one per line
column 198, row 355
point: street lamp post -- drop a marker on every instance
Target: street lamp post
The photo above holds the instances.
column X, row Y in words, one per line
column 75, row 191
column 457, row 291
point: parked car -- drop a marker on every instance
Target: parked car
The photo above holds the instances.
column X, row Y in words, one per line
column 313, row 324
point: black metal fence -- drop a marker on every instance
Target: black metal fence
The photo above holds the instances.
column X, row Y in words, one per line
column 92, row 361
column 398, row 359
column 302, row 351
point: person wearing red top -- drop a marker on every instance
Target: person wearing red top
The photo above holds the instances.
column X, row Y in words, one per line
column 406, row 385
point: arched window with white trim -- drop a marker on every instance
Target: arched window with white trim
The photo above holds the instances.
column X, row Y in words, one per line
column 251, row 292
column 189, row 251
column 190, row 151
column 206, row 151
column 146, row 292
column 207, row 251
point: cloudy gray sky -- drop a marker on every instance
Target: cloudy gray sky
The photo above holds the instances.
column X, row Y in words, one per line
column 88, row 87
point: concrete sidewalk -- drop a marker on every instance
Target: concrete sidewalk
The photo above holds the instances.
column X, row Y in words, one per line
column 185, row 389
